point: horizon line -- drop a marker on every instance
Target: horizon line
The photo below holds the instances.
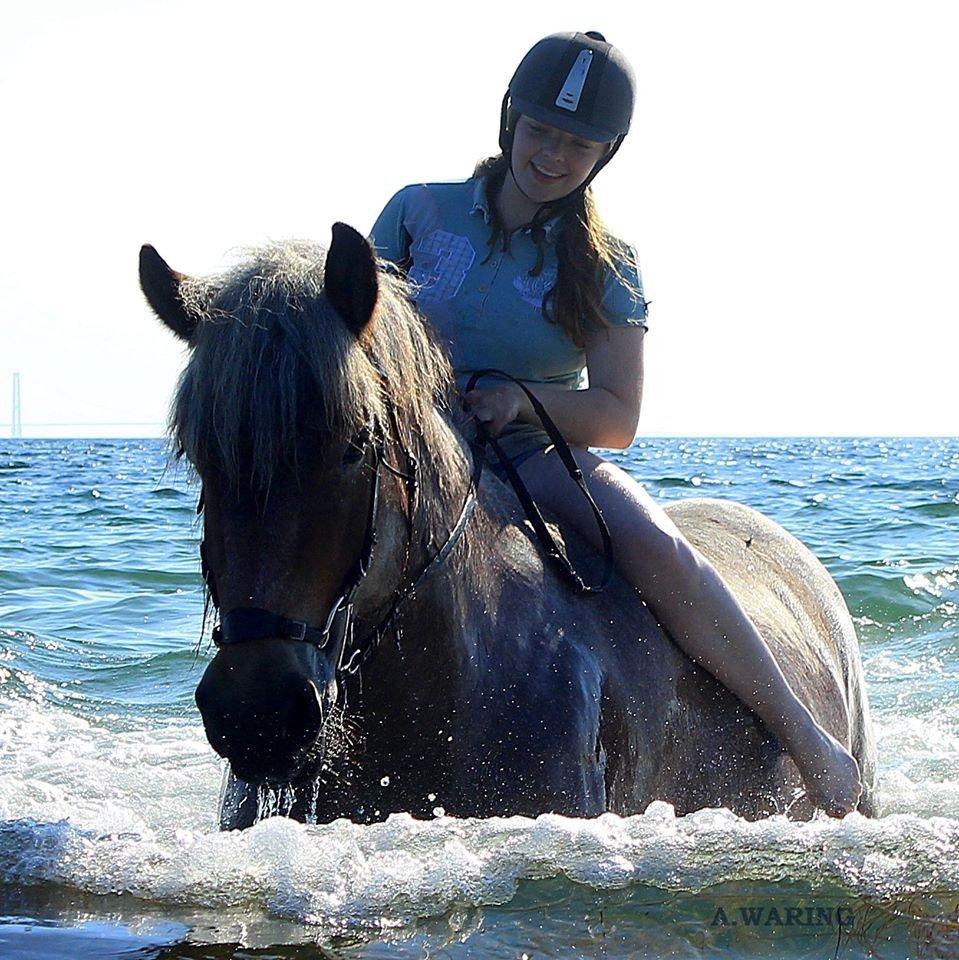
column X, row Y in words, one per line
column 650, row 436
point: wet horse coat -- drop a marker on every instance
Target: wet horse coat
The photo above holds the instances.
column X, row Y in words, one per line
column 495, row 691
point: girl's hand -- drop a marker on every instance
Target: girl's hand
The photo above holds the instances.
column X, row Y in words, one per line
column 496, row 405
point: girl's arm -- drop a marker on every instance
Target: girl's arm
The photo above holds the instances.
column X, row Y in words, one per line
column 603, row 415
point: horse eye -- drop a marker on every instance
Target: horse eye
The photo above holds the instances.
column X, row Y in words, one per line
column 353, row 453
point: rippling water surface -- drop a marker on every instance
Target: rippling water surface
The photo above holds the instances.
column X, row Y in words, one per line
column 108, row 790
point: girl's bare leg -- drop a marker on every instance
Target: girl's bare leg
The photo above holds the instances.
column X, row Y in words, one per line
column 701, row 614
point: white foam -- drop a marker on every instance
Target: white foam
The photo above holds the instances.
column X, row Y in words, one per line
column 55, row 765
column 933, row 584
column 133, row 812
column 346, row 876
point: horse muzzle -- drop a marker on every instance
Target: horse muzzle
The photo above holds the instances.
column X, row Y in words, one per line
column 267, row 721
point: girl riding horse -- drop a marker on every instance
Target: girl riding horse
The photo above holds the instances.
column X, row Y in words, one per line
column 517, row 272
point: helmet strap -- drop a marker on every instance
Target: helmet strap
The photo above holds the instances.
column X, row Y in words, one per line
column 505, row 133
column 509, row 158
column 506, row 143
column 617, row 143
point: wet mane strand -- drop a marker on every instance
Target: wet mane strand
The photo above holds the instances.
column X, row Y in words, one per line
column 273, row 361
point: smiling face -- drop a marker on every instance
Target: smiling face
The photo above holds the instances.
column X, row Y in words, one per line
column 547, row 165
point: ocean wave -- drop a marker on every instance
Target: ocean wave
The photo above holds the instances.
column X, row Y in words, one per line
column 341, row 875
column 939, row 511
column 934, row 582
column 102, row 810
column 107, row 782
column 882, row 595
column 63, row 672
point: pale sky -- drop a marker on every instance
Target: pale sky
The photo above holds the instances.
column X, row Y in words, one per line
column 790, row 182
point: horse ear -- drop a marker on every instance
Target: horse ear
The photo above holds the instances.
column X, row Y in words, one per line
column 350, row 281
column 161, row 287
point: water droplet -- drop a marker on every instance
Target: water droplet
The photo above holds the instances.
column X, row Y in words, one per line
column 431, row 797
column 385, row 782
column 439, row 812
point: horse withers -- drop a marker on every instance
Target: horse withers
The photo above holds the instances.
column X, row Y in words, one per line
column 390, row 637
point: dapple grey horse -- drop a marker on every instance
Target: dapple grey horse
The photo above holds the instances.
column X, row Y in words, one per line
column 390, row 635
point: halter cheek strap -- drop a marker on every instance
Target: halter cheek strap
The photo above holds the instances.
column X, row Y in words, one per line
column 336, row 637
column 245, row 624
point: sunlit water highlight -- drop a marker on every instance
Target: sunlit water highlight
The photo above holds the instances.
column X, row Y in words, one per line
column 108, row 790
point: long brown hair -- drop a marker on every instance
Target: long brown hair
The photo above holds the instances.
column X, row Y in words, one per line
column 586, row 254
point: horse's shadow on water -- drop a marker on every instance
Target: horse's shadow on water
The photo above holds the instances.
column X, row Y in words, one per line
column 363, row 566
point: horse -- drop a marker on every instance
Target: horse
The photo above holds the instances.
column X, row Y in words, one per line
column 391, row 637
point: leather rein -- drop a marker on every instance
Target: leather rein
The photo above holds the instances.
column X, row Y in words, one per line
column 553, row 551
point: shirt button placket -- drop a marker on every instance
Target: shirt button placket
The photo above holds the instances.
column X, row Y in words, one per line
column 490, row 281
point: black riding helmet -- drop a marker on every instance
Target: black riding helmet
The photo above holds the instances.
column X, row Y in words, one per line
column 577, row 82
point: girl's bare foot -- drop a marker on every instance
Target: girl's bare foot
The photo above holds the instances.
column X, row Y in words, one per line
column 830, row 772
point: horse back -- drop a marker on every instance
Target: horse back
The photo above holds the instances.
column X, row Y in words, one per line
column 667, row 730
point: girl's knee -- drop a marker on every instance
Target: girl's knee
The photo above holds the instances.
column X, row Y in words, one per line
column 673, row 558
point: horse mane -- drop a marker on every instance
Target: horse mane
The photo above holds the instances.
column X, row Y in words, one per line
column 273, row 364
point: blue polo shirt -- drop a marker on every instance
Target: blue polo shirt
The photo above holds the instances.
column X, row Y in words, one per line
column 487, row 308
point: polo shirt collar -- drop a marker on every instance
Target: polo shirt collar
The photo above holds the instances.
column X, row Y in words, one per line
column 481, row 205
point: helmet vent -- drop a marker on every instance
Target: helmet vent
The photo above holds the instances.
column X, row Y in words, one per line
column 572, row 90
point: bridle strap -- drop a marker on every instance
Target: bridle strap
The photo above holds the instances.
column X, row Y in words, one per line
column 243, row 624
column 363, row 651
column 246, row 624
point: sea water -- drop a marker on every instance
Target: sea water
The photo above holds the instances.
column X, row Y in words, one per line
column 108, row 790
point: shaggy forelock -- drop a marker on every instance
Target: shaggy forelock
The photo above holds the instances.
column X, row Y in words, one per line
column 272, row 360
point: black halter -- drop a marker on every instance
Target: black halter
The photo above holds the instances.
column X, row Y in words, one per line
column 336, row 637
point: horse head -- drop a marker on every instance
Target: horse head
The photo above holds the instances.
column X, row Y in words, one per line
column 283, row 411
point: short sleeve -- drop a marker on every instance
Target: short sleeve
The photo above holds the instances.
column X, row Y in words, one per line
column 389, row 235
column 624, row 303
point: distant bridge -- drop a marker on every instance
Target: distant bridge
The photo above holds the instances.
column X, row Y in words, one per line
column 16, row 424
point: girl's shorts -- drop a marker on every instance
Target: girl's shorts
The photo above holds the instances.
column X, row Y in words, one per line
column 519, row 443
